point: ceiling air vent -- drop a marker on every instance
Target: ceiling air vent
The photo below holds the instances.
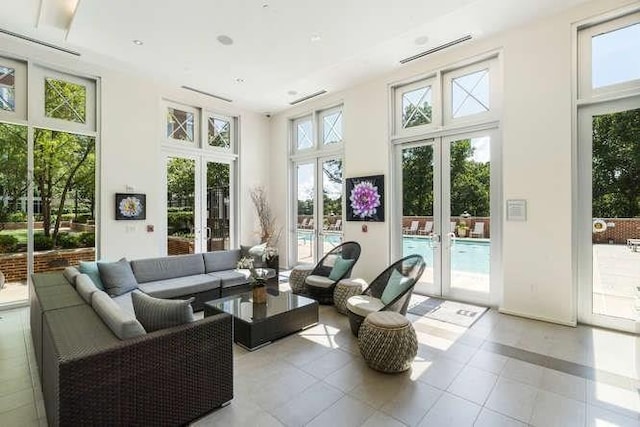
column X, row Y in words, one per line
column 436, row 49
column 221, row 98
column 305, row 98
column 41, row 43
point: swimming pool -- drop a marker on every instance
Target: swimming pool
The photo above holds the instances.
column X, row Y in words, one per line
column 466, row 255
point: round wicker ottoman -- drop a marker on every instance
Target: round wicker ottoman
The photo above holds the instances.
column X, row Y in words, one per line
column 345, row 289
column 388, row 342
column 297, row 276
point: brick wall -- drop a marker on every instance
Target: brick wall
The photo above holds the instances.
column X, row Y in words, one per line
column 14, row 266
column 623, row 229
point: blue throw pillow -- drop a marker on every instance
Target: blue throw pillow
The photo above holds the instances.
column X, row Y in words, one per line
column 396, row 285
column 340, row 267
column 91, row 270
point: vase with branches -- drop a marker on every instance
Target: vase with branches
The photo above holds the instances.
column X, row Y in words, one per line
column 269, row 232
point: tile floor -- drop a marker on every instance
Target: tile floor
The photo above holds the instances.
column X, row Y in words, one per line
column 504, row 371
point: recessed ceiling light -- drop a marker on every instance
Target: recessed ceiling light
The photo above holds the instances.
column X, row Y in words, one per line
column 239, row 80
column 225, row 40
column 265, row 5
column 292, row 92
column 422, row 40
column 315, row 37
column 138, row 42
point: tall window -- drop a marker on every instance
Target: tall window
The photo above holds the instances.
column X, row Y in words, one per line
column 51, row 210
column 317, row 183
column 201, row 157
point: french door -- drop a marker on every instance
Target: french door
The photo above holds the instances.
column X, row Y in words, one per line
column 608, row 226
column 318, row 211
column 200, row 212
column 445, row 211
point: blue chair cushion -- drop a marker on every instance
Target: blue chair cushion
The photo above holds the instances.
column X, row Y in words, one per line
column 91, row 270
column 340, row 267
column 396, row 285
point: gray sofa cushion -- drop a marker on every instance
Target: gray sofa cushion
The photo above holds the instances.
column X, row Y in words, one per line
column 117, row 277
column 221, row 260
column 124, row 302
column 157, row 313
column 85, row 287
column 154, row 269
column 124, row 325
column 180, row 286
column 70, row 274
column 230, row 278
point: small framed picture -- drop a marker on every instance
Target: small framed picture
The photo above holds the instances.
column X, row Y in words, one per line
column 131, row 206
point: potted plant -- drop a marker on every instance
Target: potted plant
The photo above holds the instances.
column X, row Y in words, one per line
column 269, row 233
column 462, row 229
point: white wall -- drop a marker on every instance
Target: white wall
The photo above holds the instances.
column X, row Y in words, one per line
column 536, row 134
column 130, row 150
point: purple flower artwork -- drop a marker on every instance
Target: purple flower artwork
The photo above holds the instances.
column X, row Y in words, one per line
column 366, row 198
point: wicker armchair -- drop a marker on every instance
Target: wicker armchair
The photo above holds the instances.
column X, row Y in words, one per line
column 359, row 306
column 321, row 282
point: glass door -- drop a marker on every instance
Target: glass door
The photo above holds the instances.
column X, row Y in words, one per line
column 447, row 213
column 305, row 228
column 181, row 207
column 218, row 214
column 609, row 214
column 330, row 204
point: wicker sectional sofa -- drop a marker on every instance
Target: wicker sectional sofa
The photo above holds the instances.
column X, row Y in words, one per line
column 168, row 377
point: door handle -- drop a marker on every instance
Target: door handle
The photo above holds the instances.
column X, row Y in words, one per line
column 452, row 239
column 435, row 241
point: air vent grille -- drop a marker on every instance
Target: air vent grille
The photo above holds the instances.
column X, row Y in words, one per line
column 221, row 98
column 305, row 98
column 41, row 43
column 436, row 49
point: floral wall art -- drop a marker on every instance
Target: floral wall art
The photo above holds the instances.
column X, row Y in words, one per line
column 131, row 206
column 365, row 198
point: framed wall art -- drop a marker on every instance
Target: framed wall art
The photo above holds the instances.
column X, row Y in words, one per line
column 365, row 198
column 131, row 206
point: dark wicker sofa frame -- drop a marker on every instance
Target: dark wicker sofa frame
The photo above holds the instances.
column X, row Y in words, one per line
column 90, row 377
column 412, row 267
column 347, row 250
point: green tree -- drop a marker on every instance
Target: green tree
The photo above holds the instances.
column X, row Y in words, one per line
column 13, row 167
column 616, row 165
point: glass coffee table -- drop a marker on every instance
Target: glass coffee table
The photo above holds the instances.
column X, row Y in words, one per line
column 255, row 325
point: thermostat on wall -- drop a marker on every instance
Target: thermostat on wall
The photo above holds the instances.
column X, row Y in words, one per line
column 516, row 210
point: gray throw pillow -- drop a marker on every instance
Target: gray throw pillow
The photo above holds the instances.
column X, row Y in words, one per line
column 117, row 277
column 124, row 325
column 157, row 313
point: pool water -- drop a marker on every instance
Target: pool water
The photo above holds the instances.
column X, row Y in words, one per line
column 466, row 255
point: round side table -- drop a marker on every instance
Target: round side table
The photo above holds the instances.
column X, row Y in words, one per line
column 296, row 279
column 345, row 289
column 388, row 341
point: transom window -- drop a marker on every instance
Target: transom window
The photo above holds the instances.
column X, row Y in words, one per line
column 331, row 127
column 180, row 125
column 65, row 100
column 416, row 107
column 219, row 132
column 303, row 133
column 470, row 94
column 7, row 88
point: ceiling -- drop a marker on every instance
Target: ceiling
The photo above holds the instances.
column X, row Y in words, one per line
column 282, row 49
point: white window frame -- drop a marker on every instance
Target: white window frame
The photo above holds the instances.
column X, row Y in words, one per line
column 19, row 114
column 37, row 80
column 494, row 93
column 294, row 134
column 321, row 144
column 232, row 132
column 436, row 112
column 585, row 35
column 197, row 140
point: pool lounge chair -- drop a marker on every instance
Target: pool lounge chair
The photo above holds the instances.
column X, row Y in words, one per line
column 478, row 230
column 453, row 225
column 337, row 226
column 427, row 229
column 412, row 229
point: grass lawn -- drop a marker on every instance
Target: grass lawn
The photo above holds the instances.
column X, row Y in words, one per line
column 21, row 235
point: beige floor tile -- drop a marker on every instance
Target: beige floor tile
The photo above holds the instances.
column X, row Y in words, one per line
column 24, row 415
column 460, row 353
column 412, row 402
column 346, row 412
column 616, row 399
column 349, row 376
column 523, row 372
column 378, row 419
column 564, row 384
column 328, row 363
column 553, row 410
column 13, row 385
column 513, row 399
column 600, row 417
column 307, row 405
column 489, row 418
column 16, row 400
column 473, row 384
column 451, row 411
column 488, row 361
column 441, row 373
column 280, row 388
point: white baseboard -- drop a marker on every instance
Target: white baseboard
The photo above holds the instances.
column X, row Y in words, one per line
column 541, row 318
